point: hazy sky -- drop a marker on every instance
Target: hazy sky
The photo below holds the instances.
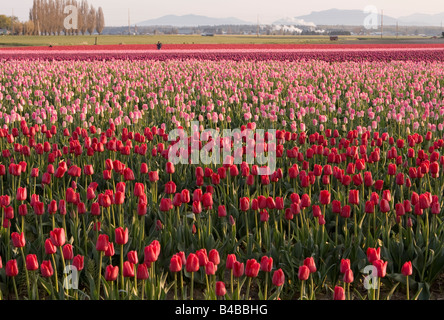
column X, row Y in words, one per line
column 116, row 11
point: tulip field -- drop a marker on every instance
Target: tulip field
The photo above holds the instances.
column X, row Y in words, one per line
column 348, row 206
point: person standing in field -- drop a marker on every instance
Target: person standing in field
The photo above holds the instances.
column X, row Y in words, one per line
column 159, row 45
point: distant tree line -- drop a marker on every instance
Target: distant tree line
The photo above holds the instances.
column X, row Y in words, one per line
column 46, row 17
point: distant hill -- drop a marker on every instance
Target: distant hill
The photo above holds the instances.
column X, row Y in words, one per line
column 420, row 19
column 191, row 20
column 333, row 17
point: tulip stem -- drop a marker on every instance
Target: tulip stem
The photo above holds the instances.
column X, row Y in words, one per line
column 192, row 286
column 175, row 286
column 246, row 226
column 121, row 268
column 247, row 295
column 266, row 286
column 337, row 230
column 55, row 273
column 181, row 285
column 26, row 272
column 379, row 288
column 15, row 288
column 348, row 291
column 143, row 287
column 85, row 237
column 302, row 289
column 408, row 288
column 99, row 275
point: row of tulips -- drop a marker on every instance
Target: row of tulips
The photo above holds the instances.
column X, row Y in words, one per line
column 434, row 53
column 88, row 157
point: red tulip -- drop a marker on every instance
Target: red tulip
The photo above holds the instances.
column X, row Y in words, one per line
column 57, row 237
column 231, row 259
column 143, row 168
column 221, row 211
column 252, row 268
column 11, row 268
column 266, row 264
column 18, row 239
column 279, row 203
column 316, row 211
column 345, row 265
column 278, row 278
column 165, row 205
column 197, row 207
column 373, row 254
column 210, row 268
column 407, row 269
column 170, row 187
column 220, row 289
column 244, row 204
column 121, row 236
column 78, row 262
column 109, row 252
column 169, row 168
column 213, row 256
column 381, row 267
column 21, row 194
column 46, row 269
column 111, row 273
column 207, row 201
column 271, row 203
column 31, row 262
column 203, row 257
column 400, row 179
column 348, row 276
column 142, row 272
column 185, row 196
column 303, row 273
column 384, row 206
column 128, row 269
column 339, row 293
column 345, row 211
column 192, row 264
column 324, row 197
column 424, row 201
column 102, row 242
column 309, row 262
column 67, row 251
column 336, row 206
column 175, row 263
column 153, row 176
column 305, row 201
column 238, row 269
column 379, row 184
column 353, row 197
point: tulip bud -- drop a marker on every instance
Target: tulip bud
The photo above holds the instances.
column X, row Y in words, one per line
column 339, row 293
column 278, row 278
column 220, row 289
column 192, row 264
column 407, row 269
column 31, row 262
column 303, row 273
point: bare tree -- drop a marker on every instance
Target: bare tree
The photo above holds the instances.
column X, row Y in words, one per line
column 48, row 16
column 92, row 17
column 100, row 23
column 83, row 16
